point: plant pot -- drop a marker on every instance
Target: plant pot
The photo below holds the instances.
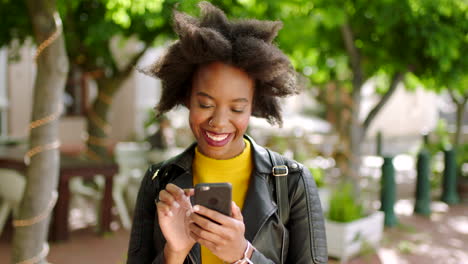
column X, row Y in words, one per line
column 345, row 240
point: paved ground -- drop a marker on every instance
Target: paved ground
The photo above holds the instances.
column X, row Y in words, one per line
column 441, row 238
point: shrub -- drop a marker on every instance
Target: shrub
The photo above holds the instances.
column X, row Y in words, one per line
column 344, row 207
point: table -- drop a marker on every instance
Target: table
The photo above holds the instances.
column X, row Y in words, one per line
column 70, row 166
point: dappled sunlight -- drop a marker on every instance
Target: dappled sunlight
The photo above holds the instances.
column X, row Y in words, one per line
column 449, row 255
column 459, row 224
column 455, row 242
column 404, row 207
column 439, row 207
column 390, row 256
column 404, row 162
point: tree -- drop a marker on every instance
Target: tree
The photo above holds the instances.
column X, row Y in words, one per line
column 341, row 44
column 89, row 28
column 42, row 173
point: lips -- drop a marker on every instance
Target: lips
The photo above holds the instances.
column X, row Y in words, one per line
column 217, row 139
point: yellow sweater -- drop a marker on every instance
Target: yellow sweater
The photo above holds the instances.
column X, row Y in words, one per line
column 236, row 170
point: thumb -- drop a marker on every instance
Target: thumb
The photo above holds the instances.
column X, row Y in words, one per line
column 236, row 212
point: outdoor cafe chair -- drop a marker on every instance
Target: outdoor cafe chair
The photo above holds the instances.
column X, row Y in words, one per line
column 12, row 185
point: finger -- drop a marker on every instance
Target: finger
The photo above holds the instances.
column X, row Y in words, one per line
column 204, row 242
column 189, row 192
column 175, row 191
column 236, row 212
column 204, row 234
column 206, row 224
column 212, row 214
column 168, row 198
column 164, row 209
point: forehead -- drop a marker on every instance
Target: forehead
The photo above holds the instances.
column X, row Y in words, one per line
column 222, row 80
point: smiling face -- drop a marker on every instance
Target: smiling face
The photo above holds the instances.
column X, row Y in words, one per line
column 220, row 106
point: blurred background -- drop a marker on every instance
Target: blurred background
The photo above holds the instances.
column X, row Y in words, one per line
column 382, row 122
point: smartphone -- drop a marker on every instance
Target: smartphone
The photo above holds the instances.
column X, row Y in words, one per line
column 215, row 196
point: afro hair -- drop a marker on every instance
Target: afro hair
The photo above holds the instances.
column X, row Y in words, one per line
column 246, row 44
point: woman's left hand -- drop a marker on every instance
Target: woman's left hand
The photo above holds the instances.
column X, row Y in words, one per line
column 226, row 240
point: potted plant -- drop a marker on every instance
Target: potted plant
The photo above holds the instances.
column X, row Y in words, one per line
column 324, row 193
column 349, row 229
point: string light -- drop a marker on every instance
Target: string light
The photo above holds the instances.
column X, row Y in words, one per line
column 51, row 38
column 46, row 119
column 99, row 122
column 41, row 148
column 105, row 98
column 38, row 218
column 92, row 155
column 98, row 141
column 43, row 254
column 36, row 150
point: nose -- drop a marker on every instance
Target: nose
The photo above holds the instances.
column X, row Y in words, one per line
column 219, row 119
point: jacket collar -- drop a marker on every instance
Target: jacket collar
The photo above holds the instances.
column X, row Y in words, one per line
column 260, row 206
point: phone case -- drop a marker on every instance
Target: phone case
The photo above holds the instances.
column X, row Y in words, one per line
column 215, row 196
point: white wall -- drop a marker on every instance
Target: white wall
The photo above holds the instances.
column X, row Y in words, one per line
column 3, row 91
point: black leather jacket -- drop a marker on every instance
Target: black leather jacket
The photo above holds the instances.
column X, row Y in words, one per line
column 301, row 240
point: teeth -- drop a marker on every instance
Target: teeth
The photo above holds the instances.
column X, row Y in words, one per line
column 216, row 137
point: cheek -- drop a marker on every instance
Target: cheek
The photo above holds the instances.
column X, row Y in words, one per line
column 243, row 123
column 195, row 120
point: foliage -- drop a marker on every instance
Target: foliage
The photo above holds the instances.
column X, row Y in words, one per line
column 426, row 38
column 16, row 24
column 344, row 207
column 406, row 247
column 442, row 138
column 319, row 176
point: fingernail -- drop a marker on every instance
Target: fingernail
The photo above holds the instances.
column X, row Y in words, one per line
column 196, row 208
column 170, row 214
column 176, row 204
column 188, row 213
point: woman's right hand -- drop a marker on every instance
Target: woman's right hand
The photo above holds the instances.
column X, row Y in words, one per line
column 173, row 205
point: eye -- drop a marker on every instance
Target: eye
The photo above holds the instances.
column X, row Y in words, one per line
column 204, row 106
column 237, row 110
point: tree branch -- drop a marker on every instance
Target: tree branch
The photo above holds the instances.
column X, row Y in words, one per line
column 353, row 52
column 396, row 79
column 123, row 75
column 131, row 65
column 458, row 100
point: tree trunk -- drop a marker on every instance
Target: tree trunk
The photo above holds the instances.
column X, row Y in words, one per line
column 43, row 171
column 98, row 124
column 355, row 127
column 355, row 133
column 97, row 119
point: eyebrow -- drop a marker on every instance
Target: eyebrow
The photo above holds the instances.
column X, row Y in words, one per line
column 212, row 98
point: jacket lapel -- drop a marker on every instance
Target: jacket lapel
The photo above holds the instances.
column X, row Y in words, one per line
column 260, row 206
column 184, row 181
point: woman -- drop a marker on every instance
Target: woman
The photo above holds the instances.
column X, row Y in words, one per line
column 224, row 72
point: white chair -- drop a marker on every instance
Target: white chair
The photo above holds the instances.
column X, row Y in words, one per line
column 84, row 193
column 132, row 160
column 12, row 186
